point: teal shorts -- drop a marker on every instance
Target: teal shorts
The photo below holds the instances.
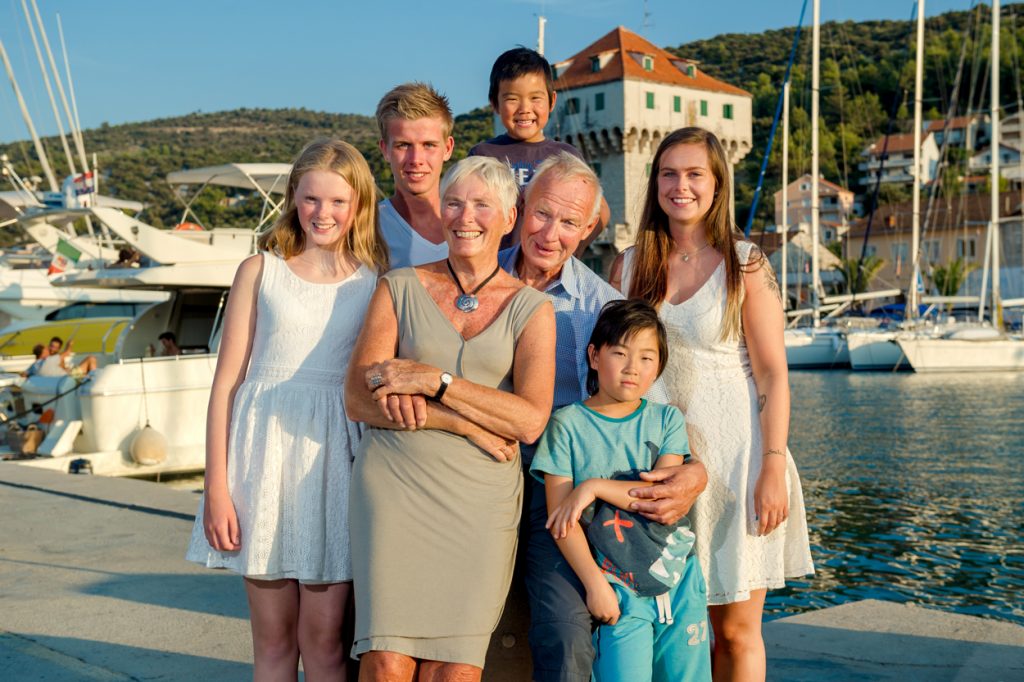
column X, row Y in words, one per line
column 639, row 647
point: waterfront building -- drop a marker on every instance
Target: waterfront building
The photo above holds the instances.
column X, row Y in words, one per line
column 835, row 202
column 964, row 132
column 899, row 160
column 618, row 97
column 957, row 229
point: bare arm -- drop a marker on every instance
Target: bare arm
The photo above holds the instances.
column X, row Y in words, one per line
column 675, row 490
column 378, row 343
column 615, row 275
column 220, row 521
column 763, row 326
column 520, row 415
column 601, row 599
column 567, row 514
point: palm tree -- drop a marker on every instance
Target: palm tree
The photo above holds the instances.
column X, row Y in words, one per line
column 947, row 279
column 857, row 274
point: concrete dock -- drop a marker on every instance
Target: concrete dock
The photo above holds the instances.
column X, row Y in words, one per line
column 93, row 586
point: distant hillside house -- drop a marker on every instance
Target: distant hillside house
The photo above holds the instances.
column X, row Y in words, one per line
column 1011, row 131
column 617, row 99
column 983, row 160
column 836, row 205
column 967, row 132
column 899, row 159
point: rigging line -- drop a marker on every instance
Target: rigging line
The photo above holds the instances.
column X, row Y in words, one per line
column 842, row 118
column 775, row 125
column 945, row 150
column 896, row 101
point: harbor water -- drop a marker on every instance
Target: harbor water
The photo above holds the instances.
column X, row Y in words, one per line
column 914, row 486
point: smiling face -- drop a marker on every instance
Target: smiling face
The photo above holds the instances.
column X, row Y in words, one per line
column 473, row 218
column 556, row 218
column 416, row 151
column 626, row 369
column 686, row 184
column 524, row 106
column 325, row 205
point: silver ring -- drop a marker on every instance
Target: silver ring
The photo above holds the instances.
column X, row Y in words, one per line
column 376, row 381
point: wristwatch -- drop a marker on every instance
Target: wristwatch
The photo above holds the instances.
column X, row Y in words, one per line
column 446, row 380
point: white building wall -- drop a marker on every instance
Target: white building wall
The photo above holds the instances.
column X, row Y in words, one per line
column 623, row 136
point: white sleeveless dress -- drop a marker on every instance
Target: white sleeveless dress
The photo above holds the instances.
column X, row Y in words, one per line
column 711, row 382
column 290, row 448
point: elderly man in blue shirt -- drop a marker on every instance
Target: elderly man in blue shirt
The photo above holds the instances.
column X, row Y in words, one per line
column 561, row 208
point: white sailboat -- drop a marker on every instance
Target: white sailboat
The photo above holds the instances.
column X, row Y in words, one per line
column 980, row 347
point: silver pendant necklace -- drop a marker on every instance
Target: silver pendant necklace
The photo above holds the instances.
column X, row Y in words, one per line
column 467, row 303
column 688, row 256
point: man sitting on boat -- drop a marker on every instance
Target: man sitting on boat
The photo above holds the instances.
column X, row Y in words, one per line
column 57, row 363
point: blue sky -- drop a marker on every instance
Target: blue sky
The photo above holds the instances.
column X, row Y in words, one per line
column 139, row 60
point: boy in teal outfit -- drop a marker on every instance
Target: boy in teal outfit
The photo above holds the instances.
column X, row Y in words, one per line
column 643, row 583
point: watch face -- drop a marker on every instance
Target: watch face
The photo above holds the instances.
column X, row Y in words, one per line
column 446, row 377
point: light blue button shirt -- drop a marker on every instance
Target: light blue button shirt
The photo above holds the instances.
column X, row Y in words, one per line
column 577, row 294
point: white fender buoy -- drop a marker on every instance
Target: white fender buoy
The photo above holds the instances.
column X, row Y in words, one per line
column 149, row 446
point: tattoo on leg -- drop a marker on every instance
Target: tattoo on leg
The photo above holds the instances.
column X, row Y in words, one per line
column 761, row 400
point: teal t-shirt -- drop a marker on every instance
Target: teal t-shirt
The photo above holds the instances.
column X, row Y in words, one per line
column 580, row 443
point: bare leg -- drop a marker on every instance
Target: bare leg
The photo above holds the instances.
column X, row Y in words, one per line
column 386, row 666
column 438, row 671
column 87, row 365
column 274, row 615
column 321, row 615
column 739, row 648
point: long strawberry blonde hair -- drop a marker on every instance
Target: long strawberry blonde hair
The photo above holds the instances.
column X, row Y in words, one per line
column 654, row 243
column 363, row 240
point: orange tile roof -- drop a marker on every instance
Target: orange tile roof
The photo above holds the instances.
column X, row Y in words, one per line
column 621, row 65
column 954, row 123
column 901, row 142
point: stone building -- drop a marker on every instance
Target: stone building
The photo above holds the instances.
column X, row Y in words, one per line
column 617, row 99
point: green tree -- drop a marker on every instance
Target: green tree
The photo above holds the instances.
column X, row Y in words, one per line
column 947, row 279
column 857, row 275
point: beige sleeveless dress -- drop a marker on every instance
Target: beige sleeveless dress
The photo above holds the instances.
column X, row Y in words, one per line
column 434, row 518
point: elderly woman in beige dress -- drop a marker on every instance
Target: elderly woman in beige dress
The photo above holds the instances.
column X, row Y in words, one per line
column 453, row 368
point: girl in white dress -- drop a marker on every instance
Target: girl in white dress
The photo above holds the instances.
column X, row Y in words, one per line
column 278, row 445
column 727, row 372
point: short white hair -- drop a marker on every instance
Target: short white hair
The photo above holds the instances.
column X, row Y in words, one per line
column 565, row 166
column 496, row 175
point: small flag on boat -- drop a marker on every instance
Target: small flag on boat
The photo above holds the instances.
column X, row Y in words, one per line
column 66, row 254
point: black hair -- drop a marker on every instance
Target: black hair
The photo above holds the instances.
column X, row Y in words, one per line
column 37, row 350
column 58, row 340
column 515, row 63
column 169, row 336
column 621, row 320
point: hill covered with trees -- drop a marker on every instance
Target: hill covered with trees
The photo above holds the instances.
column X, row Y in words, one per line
column 134, row 158
column 866, row 75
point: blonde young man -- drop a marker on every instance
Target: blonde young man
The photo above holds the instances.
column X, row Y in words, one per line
column 415, row 124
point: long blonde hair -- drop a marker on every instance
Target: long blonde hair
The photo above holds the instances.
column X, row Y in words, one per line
column 654, row 244
column 363, row 240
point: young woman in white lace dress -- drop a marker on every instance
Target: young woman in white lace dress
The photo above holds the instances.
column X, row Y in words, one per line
column 727, row 372
column 278, row 446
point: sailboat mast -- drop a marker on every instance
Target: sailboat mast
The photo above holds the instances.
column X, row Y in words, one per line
column 997, row 308
column 541, row 20
column 49, row 89
column 785, row 193
column 910, row 312
column 44, row 161
column 815, row 200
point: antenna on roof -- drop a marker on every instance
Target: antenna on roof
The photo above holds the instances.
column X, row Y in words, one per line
column 647, row 17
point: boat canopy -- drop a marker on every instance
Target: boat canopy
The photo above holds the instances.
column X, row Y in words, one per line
column 271, row 178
